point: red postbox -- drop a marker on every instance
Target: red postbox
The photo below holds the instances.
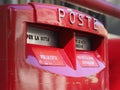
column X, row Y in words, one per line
column 49, row 47
column 114, row 63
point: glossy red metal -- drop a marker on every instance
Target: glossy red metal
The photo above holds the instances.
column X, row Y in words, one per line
column 25, row 66
column 114, row 63
column 100, row 6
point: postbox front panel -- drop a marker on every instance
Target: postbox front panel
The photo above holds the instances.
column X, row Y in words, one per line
column 52, row 47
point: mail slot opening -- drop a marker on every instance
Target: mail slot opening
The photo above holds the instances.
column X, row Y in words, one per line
column 43, row 45
column 42, row 36
column 83, row 43
column 87, row 42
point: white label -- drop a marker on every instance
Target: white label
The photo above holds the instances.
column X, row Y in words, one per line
column 48, row 57
column 87, row 60
column 41, row 37
column 82, row 43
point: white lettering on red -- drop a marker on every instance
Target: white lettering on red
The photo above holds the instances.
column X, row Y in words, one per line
column 84, row 57
column 91, row 63
column 80, row 18
column 95, row 26
column 72, row 17
column 61, row 14
column 48, row 57
column 89, row 20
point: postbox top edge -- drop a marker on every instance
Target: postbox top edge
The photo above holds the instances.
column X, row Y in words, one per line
column 38, row 6
column 102, row 31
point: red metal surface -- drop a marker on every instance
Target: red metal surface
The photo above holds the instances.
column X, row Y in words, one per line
column 114, row 63
column 100, row 5
column 20, row 67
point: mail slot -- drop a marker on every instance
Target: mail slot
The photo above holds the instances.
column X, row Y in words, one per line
column 41, row 37
column 83, row 43
column 50, row 47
